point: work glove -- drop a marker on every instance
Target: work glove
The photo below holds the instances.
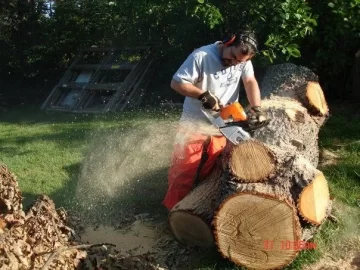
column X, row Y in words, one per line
column 256, row 117
column 210, row 101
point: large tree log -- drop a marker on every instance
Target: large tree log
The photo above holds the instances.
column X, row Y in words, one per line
column 270, row 190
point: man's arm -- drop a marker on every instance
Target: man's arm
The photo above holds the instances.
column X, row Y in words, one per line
column 209, row 101
column 256, row 117
column 186, row 89
column 252, row 90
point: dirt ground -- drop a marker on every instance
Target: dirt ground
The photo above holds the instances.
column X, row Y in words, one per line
column 146, row 237
column 143, row 237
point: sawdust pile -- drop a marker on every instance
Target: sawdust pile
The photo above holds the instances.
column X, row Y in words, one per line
column 40, row 238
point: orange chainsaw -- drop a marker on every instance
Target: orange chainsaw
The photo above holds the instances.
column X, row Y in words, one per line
column 232, row 122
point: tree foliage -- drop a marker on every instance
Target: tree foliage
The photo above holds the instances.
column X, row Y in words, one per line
column 331, row 50
column 20, row 32
column 35, row 41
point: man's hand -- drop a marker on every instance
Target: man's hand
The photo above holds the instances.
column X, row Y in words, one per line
column 256, row 116
column 210, row 101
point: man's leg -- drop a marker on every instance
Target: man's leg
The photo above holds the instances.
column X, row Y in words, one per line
column 185, row 165
column 216, row 145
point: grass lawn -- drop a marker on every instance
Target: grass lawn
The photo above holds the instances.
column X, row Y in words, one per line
column 114, row 165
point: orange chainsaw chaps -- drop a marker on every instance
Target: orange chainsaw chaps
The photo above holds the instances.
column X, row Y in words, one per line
column 185, row 162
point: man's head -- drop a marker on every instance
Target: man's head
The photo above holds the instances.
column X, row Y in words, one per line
column 239, row 47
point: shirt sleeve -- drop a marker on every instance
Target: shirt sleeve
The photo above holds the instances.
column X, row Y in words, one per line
column 248, row 70
column 189, row 72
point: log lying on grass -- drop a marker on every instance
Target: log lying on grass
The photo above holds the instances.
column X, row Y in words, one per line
column 269, row 191
column 189, row 220
column 40, row 239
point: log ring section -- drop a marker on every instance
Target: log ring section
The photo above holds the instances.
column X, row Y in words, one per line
column 252, row 161
column 246, row 223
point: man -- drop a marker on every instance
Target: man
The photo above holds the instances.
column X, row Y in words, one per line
column 209, row 78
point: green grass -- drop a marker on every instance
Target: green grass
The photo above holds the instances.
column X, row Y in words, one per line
column 341, row 134
column 45, row 150
column 72, row 158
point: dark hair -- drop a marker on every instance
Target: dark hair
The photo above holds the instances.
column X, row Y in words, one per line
column 245, row 39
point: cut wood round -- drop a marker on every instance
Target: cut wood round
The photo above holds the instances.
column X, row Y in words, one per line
column 313, row 98
column 283, row 79
column 190, row 219
column 297, row 83
column 314, row 200
column 191, row 229
column 254, row 230
column 251, row 161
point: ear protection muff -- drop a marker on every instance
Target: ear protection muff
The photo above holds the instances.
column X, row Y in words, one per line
column 230, row 40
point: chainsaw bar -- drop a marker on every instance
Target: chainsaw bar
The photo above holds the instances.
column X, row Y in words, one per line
column 245, row 125
column 233, row 133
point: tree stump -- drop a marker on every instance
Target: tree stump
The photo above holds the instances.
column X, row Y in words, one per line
column 268, row 192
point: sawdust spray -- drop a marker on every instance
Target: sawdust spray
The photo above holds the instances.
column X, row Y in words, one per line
column 124, row 171
column 122, row 183
column 125, row 168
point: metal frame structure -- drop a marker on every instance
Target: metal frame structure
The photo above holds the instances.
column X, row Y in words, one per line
column 103, row 80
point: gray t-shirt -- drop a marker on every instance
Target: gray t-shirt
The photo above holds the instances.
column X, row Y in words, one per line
column 204, row 69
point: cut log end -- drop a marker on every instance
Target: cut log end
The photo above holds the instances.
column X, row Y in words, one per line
column 255, row 230
column 190, row 229
column 314, row 200
column 252, row 161
column 316, row 98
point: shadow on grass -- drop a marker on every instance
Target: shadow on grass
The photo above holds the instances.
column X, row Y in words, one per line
column 342, row 127
column 34, row 115
column 67, row 138
column 65, row 196
column 62, row 197
column 64, row 137
column 13, row 151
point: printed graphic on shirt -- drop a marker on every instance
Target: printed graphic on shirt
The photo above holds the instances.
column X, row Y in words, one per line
column 231, row 77
column 229, row 82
